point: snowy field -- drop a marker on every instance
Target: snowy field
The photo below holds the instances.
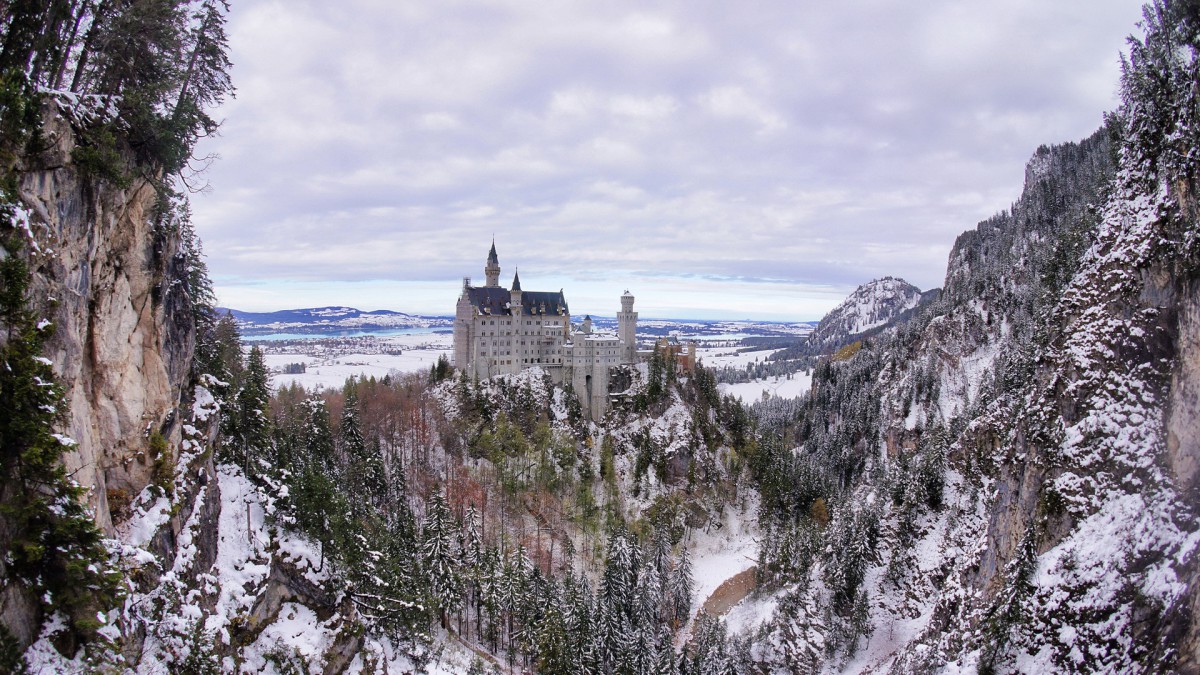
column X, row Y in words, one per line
column 749, row 392
column 719, row 357
column 327, row 367
column 324, row 369
column 777, row 387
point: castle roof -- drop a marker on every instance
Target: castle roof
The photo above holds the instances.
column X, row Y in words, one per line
column 495, row 301
column 517, row 281
column 492, row 257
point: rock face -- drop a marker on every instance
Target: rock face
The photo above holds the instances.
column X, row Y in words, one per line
column 124, row 336
column 108, row 283
column 1052, row 392
column 870, row 306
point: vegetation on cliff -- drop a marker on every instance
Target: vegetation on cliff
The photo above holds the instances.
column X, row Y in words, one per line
column 133, row 83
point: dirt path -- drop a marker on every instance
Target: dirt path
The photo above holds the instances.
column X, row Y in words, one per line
column 731, row 591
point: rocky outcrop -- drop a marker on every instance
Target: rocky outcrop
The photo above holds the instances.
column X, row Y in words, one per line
column 289, row 583
column 123, row 339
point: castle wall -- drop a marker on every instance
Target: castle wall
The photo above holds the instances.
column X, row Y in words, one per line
column 592, row 358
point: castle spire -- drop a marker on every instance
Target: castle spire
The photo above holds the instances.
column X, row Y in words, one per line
column 517, row 281
column 492, row 269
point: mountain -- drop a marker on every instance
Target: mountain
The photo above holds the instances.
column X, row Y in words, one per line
column 1012, row 470
column 326, row 319
column 871, row 306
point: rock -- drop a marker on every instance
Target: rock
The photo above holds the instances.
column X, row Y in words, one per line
column 123, row 334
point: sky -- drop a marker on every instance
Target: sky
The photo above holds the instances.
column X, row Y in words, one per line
column 717, row 159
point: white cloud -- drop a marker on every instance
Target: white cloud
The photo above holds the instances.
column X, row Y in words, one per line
column 733, row 101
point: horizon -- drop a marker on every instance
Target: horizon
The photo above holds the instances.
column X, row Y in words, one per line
column 606, row 317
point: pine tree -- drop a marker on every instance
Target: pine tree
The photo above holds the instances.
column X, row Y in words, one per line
column 254, row 417
column 649, row 595
column 470, row 554
column 552, row 642
column 319, row 437
column 438, row 558
column 679, row 585
column 363, row 461
column 204, row 83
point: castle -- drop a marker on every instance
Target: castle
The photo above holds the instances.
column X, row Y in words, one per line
column 506, row 330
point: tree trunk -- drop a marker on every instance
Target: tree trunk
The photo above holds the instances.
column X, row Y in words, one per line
column 89, row 44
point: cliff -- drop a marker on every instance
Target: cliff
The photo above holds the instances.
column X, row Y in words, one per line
column 1014, row 470
column 111, row 288
column 123, row 332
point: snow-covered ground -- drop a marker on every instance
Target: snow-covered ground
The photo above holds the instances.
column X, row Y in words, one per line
column 408, row 354
column 719, row 357
column 720, row 553
column 751, row 613
column 777, row 387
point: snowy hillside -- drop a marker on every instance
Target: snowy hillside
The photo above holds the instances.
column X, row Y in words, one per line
column 1006, row 481
column 870, row 306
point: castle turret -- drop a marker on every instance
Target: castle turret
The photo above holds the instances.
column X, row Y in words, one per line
column 515, row 294
column 627, row 329
column 492, row 269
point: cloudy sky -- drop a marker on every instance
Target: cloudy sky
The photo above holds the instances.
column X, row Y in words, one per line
column 718, row 159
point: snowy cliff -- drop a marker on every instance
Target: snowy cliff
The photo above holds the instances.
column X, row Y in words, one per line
column 108, row 282
column 1012, row 473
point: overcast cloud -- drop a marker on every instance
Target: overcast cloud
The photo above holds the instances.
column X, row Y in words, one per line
column 716, row 158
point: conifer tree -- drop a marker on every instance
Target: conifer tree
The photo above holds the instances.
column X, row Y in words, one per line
column 679, row 585
column 438, row 558
column 320, row 437
column 204, row 82
column 552, row 642
column 351, row 437
column 254, row 417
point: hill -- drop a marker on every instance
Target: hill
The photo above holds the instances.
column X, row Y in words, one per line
column 318, row 320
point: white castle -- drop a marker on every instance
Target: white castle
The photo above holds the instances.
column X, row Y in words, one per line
column 500, row 330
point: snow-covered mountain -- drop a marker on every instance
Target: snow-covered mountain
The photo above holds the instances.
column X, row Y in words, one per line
column 320, row 319
column 1012, row 470
column 870, row 306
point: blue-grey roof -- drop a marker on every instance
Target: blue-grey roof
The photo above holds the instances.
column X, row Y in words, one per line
column 495, row 300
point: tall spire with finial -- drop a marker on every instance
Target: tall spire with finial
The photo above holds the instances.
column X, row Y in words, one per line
column 514, row 296
column 492, row 269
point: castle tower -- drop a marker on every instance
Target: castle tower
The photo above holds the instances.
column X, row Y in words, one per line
column 515, row 294
column 627, row 329
column 520, row 350
column 492, row 269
